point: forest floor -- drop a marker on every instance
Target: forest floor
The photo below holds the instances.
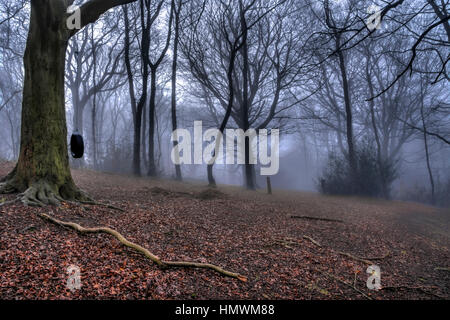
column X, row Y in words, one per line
column 251, row 233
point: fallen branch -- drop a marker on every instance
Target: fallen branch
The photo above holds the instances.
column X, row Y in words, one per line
column 312, row 240
column 360, row 259
column 421, row 289
column 316, row 218
column 286, row 241
column 95, row 203
column 442, row 269
column 346, row 283
column 142, row 250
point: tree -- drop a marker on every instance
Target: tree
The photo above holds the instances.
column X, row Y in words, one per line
column 177, row 16
column 42, row 172
column 154, row 65
column 86, row 56
column 244, row 65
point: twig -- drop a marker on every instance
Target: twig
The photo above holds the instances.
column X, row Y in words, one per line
column 312, row 240
column 30, row 227
column 346, row 283
column 442, row 269
column 142, row 250
column 95, row 203
column 421, row 289
column 361, row 259
column 316, row 218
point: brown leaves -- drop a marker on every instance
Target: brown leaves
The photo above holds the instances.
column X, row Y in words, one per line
column 237, row 232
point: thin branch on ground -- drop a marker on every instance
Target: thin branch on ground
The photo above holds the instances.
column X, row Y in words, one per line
column 442, row 269
column 286, row 241
column 346, row 283
column 312, row 240
column 106, row 205
column 316, row 218
column 362, row 259
column 421, row 289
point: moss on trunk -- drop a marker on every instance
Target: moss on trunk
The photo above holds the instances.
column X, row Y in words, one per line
column 42, row 172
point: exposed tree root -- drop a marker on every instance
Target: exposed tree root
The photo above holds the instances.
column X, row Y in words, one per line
column 43, row 193
column 142, row 250
column 4, row 203
column 7, row 188
column 40, row 194
column 316, row 218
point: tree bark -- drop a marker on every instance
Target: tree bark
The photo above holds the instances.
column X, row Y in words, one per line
column 42, row 173
column 427, row 153
column 43, row 165
column 151, row 125
column 248, row 168
column 174, row 81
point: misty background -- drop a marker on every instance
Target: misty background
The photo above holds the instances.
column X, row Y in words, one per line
column 299, row 66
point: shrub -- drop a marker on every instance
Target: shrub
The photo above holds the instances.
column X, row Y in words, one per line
column 372, row 178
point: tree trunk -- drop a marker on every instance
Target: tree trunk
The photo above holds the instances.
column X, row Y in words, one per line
column 136, row 107
column 248, row 168
column 151, row 126
column 381, row 170
column 348, row 114
column 77, row 121
column 94, row 103
column 174, row 85
column 233, row 52
column 42, row 171
column 427, row 154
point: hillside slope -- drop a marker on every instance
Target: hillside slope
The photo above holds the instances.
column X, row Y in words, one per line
column 247, row 232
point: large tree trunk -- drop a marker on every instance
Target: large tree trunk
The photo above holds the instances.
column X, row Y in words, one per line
column 42, row 171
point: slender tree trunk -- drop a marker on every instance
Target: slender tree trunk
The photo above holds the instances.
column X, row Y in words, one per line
column 427, row 155
column 94, row 102
column 233, row 52
column 151, row 124
column 137, row 107
column 348, row 114
column 78, row 110
column 381, row 170
column 174, row 84
column 144, row 138
column 248, row 168
column 269, row 185
column 152, row 104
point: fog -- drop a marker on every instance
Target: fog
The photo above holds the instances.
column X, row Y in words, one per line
column 300, row 76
